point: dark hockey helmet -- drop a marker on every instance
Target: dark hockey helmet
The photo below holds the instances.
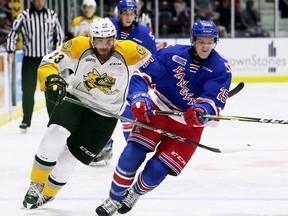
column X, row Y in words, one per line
column 205, row 29
column 124, row 5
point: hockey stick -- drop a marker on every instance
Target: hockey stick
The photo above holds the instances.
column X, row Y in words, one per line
column 160, row 131
column 237, row 89
column 231, row 93
column 221, row 117
column 247, row 119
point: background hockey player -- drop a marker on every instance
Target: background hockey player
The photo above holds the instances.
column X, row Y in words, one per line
column 102, row 68
column 127, row 29
column 80, row 25
column 192, row 79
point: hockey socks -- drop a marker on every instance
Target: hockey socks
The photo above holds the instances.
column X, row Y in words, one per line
column 130, row 160
column 153, row 174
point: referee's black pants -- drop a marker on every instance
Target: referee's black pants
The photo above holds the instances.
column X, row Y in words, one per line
column 29, row 83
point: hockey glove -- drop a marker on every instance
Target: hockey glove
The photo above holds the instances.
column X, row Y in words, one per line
column 193, row 116
column 55, row 88
column 141, row 106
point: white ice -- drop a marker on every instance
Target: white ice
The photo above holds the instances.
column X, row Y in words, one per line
column 253, row 182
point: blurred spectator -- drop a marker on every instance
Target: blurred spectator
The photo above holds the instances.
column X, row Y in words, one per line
column 5, row 20
column 179, row 7
column 221, row 29
column 283, row 7
column 165, row 8
column 168, row 22
column 250, row 18
column 183, row 14
column 224, row 10
column 238, row 20
column 143, row 17
column 204, row 10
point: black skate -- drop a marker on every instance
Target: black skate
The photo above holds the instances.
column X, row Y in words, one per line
column 41, row 201
column 129, row 201
column 103, row 158
column 108, row 208
column 34, row 197
column 23, row 127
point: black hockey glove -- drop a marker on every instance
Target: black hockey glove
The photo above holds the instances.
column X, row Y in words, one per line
column 55, row 88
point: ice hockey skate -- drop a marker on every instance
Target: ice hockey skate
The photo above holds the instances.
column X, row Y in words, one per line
column 104, row 158
column 34, row 197
column 108, row 208
column 43, row 199
column 23, row 127
column 129, row 201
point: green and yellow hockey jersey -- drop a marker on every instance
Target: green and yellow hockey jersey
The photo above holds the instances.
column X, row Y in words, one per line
column 101, row 84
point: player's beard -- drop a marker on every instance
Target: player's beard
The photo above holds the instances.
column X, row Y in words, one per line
column 104, row 54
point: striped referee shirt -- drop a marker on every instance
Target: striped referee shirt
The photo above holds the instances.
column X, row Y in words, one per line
column 41, row 32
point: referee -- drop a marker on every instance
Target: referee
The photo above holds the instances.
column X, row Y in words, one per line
column 41, row 33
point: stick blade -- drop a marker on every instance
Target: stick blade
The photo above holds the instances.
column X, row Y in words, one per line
column 233, row 150
column 237, row 89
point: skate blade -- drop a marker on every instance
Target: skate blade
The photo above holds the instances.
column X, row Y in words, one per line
column 23, row 208
column 26, row 208
column 100, row 163
column 23, row 130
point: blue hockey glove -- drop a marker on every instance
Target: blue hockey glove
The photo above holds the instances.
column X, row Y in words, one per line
column 55, row 88
column 193, row 116
column 141, row 106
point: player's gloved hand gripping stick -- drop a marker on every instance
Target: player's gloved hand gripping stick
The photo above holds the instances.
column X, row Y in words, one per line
column 55, row 88
column 141, row 106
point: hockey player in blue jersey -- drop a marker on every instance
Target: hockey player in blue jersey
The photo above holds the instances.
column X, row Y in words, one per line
column 192, row 79
column 127, row 29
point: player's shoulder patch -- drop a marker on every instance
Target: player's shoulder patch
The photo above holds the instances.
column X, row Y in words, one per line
column 67, row 45
column 76, row 43
column 131, row 51
column 228, row 67
column 141, row 50
column 76, row 46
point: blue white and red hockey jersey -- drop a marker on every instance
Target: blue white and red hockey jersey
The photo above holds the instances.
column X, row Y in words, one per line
column 179, row 83
column 140, row 34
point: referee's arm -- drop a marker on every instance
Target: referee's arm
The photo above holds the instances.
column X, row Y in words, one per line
column 12, row 36
column 59, row 33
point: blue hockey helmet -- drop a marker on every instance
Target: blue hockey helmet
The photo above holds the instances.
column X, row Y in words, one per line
column 124, row 5
column 205, row 29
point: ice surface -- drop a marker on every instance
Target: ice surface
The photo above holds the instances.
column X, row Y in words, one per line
column 253, row 182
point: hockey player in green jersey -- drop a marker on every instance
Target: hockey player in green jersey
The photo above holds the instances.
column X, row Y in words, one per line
column 102, row 67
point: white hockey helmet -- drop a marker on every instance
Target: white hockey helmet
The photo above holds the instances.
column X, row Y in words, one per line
column 89, row 3
column 101, row 28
